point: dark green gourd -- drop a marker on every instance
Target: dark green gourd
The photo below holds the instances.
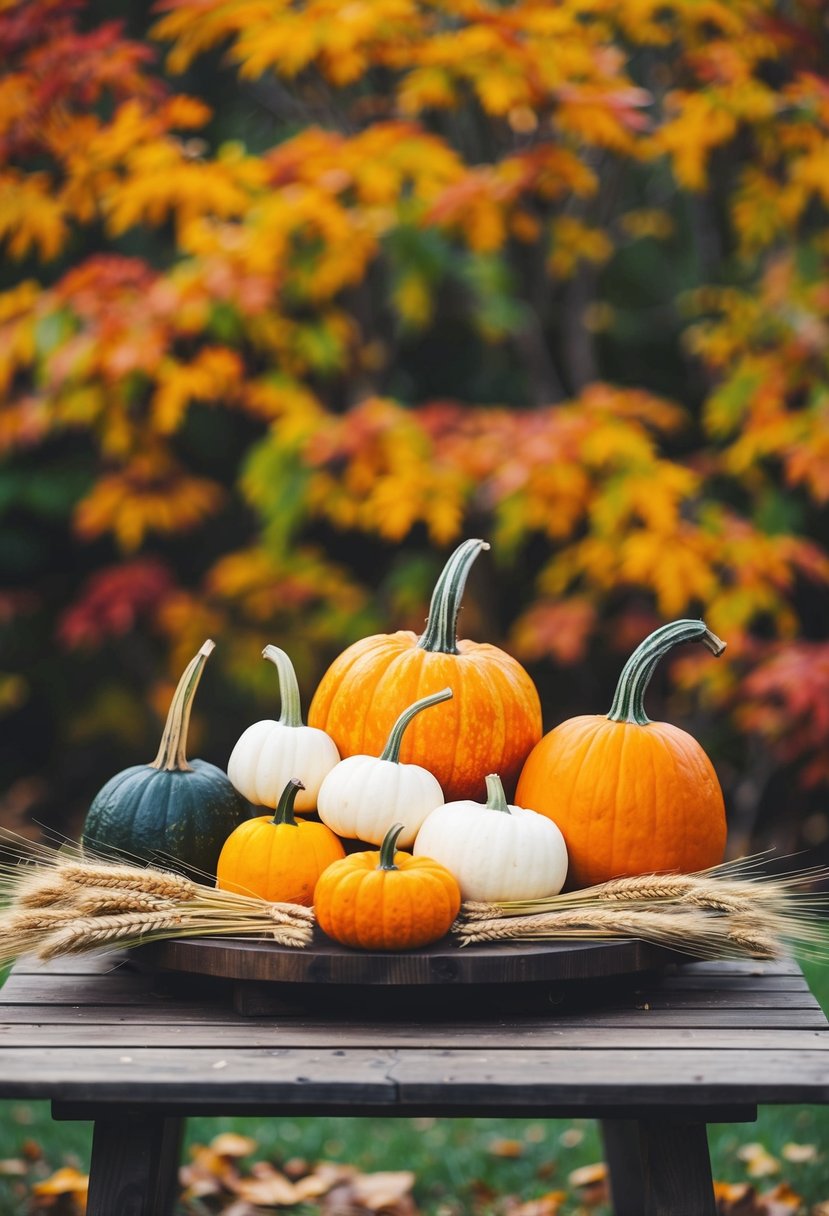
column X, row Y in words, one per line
column 170, row 812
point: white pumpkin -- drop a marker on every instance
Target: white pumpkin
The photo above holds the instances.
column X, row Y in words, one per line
column 363, row 796
column 270, row 753
column 497, row 852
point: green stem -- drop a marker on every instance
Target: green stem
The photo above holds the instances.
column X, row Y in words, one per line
column 387, row 848
column 291, row 714
column 496, row 799
column 284, row 812
column 392, row 749
column 441, row 632
column 172, row 752
column 628, row 703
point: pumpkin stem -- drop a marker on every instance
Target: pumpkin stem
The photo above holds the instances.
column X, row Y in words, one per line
column 172, row 753
column 628, row 703
column 441, row 632
column 496, row 799
column 392, row 749
column 284, row 812
column 291, row 710
column 387, row 848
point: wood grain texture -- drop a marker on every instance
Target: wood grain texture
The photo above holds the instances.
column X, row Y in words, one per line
column 623, row 1157
column 696, row 1034
column 134, row 1169
column 488, row 1080
column 655, row 1055
column 676, row 1169
column 444, row 963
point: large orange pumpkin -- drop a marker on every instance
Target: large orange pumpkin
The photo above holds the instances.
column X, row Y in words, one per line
column 277, row 857
column 489, row 726
column 631, row 796
column 386, row 900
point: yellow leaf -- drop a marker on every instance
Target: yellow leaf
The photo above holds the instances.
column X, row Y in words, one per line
column 66, row 1181
column 31, row 216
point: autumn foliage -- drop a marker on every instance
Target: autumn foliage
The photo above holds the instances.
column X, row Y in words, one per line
column 297, row 295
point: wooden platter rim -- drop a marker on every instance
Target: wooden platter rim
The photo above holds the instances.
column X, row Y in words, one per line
column 443, row 964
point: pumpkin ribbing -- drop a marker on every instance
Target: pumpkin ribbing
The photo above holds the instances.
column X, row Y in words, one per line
column 495, row 717
column 631, row 796
column 386, row 900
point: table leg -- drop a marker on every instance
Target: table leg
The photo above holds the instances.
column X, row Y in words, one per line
column 623, row 1156
column 659, row 1167
column 134, row 1169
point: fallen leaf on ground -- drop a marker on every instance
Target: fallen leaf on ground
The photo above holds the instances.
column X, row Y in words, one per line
column 207, row 1173
column 544, row 1205
column 382, row 1190
column 759, row 1162
column 65, row 1181
column 506, row 1148
column 736, row 1199
column 267, row 1190
column 65, row 1191
column 591, row 1183
column 799, row 1153
column 231, row 1144
column 781, row 1201
column 588, row 1175
column 571, row 1137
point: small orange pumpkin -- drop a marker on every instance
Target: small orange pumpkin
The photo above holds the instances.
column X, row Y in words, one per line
column 277, row 857
column 386, row 900
column 490, row 725
column 631, row 796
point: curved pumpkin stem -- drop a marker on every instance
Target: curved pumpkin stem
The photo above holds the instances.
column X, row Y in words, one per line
column 172, row 753
column 496, row 799
column 392, row 749
column 441, row 632
column 387, row 848
column 628, row 703
column 284, row 812
column 291, row 709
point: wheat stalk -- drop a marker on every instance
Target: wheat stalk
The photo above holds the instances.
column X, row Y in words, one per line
column 691, row 931
column 59, row 904
column 129, row 878
column 727, row 910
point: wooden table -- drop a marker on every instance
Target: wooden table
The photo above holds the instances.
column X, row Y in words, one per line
column 654, row 1059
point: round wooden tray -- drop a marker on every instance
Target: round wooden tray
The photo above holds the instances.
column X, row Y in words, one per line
column 440, row 965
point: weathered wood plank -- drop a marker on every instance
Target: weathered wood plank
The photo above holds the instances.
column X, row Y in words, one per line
column 727, row 983
column 231, row 1077
column 114, row 988
column 95, row 962
column 489, row 1081
column 740, row 999
column 125, row 987
column 604, row 1077
column 247, row 1033
column 177, row 1013
column 747, row 966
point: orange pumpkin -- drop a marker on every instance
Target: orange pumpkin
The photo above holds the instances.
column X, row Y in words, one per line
column 490, row 725
column 631, row 796
column 276, row 857
column 386, row 900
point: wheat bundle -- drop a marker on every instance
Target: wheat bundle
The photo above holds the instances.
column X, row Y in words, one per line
column 731, row 910
column 60, row 901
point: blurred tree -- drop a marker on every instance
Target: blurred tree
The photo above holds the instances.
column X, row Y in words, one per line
column 384, row 274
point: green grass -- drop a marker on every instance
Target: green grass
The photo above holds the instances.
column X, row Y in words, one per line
column 453, row 1159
